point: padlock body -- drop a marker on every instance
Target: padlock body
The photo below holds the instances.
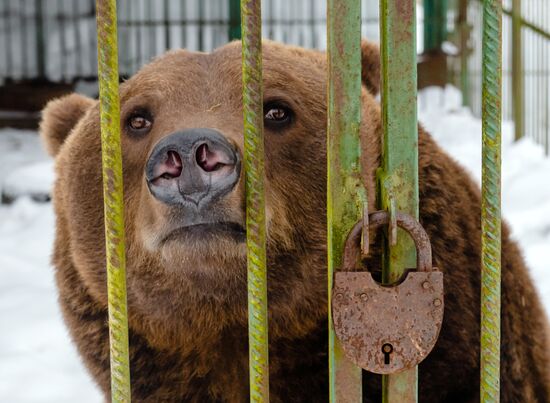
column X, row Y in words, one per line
column 369, row 318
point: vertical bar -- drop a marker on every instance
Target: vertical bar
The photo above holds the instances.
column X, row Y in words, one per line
column 139, row 26
column 251, row 17
column 9, row 42
column 312, row 21
column 201, row 22
column 167, row 36
column 40, row 43
column 547, row 91
column 464, row 31
column 435, row 24
column 490, row 203
column 150, row 24
column 113, row 198
column 75, row 15
column 183, row 21
column 346, row 195
column 126, row 24
column 92, row 38
column 399, row 178
column 234, row 20
column 23, row 47
column 62, row 40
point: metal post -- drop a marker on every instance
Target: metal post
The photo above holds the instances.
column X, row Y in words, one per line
column 201, row 5
column 490, row 204
column 399, row 175
column 40, row 40
column 435, row 24
column 517, row 70
column 464, row 32
column 234, row 20
column 251, row 16
column 113, row 198
column 62, row 42
column 346, row 195
column 167, row 26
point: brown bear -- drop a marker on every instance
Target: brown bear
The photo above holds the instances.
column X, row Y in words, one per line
column 182, row 142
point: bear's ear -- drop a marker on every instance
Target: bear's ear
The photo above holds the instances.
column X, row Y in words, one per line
column 59, row 117
column 370, row 66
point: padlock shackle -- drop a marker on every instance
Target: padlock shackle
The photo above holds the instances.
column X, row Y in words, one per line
column 404, row 221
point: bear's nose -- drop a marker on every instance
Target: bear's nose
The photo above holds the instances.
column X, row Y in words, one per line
column 196, row 166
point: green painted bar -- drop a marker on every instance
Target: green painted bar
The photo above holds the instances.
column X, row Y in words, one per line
column 398, row 178
column 517, row 70
column 113, row 199
column 346, row 195
column 490, row 203
column 435, row 24
column 234, row 20
column 464, row 32
column 258, row 348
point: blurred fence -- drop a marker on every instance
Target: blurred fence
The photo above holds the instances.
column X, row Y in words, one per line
column 55, row 41
column 532, row 51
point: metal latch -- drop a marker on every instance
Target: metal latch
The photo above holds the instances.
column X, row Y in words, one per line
column 387, row 329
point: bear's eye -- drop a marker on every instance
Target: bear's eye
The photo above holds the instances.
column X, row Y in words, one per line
column 139, row 122
column 277, row 116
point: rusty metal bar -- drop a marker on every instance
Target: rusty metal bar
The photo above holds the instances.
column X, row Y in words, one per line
column 399, row 175
column 251, row 17
column 490, row 204
column 113, row 199
column 346, row 195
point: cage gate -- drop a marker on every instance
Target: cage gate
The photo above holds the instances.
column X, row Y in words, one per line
column 346, row 195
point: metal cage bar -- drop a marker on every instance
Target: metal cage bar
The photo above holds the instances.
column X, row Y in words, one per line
column 346, row 195
column 435, row 24
column 251, row 17
column 113, row 198
column 517, row 70
column 234, row 30
column 490, row 204
column 399, row 175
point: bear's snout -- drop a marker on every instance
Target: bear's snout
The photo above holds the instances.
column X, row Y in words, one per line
column 196, row 166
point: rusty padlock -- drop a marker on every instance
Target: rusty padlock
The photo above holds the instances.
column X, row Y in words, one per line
column 387, row 329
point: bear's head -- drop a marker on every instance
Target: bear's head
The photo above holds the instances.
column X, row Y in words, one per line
column 184, row 194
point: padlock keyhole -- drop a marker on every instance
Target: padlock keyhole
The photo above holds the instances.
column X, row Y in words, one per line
column 387, row 349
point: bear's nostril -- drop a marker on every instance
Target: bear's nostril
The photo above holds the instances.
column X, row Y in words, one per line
column 172, row 166
column 209, row 160
column 194, row 167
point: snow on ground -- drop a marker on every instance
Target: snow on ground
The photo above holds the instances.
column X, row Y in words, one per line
column 525, row 175
column 38, row 362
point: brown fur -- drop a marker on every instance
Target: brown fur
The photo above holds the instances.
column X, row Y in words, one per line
column 187, row 300
column 63, row 115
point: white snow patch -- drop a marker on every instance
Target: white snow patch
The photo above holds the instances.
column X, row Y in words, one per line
column 525, row 174
column 33, row 179
column 38, row 362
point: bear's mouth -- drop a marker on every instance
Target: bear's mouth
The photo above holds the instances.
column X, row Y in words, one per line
column 205, row 231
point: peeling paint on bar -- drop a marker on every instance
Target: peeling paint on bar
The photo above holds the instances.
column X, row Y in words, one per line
column 398, row 175
column 346, row 195
column 251, row 17
column 113, row 199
